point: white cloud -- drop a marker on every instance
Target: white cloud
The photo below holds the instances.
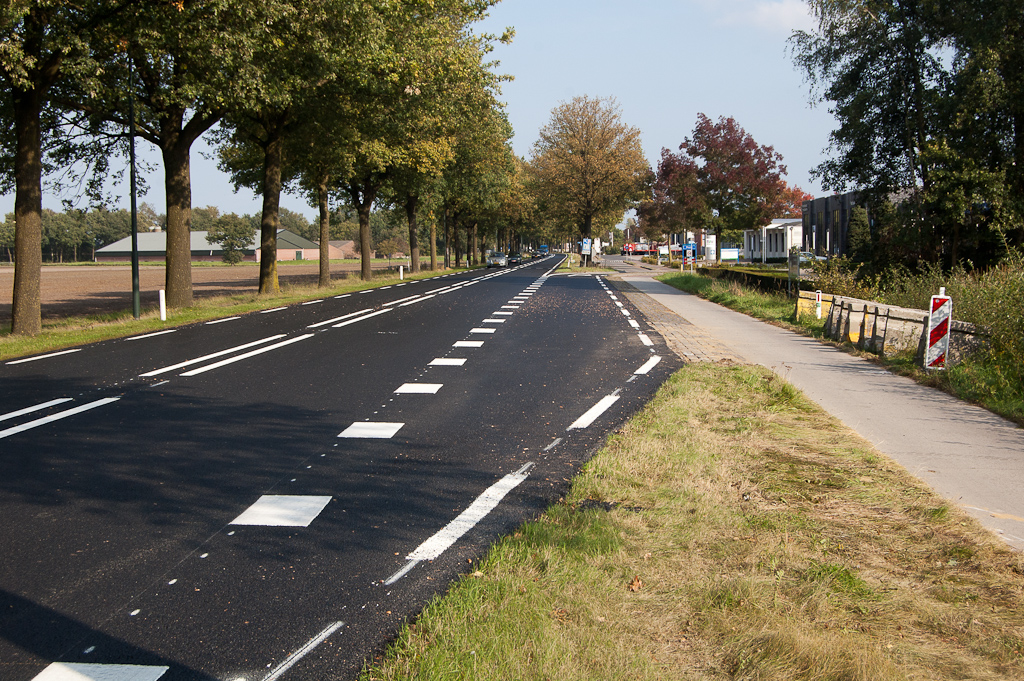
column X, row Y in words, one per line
column 774, row 16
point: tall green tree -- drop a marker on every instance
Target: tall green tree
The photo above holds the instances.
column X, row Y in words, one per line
column 588, row 164
column 42, row 43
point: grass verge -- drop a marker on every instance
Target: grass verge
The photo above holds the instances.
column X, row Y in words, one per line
column 70, row 331
column 731, row 530
column 977, row 380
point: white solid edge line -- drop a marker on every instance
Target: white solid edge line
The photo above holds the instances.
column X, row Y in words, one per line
column 150, row 335
column 648, row 365
column 402, row 300
column 312, row 643
column 246, row 355
column 56, row 417
column 226, row 319
column 477, row 511
column 52, row 354
column 157, row 372
column 338, row 319
column 418, row 300
column 38, row 407
column 591, row 414
column 359, row 319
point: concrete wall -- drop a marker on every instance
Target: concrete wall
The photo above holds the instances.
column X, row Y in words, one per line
column 887, row 329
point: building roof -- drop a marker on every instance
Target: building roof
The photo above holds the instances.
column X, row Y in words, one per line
column 156, row 242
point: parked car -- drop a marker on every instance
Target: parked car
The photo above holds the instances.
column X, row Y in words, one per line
column 807, row 256
column 515, row 258
column 497, row 259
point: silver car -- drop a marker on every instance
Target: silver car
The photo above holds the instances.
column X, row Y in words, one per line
column 497, row 259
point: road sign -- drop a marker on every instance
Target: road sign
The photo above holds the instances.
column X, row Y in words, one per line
column 940, row 314
column 586, row 247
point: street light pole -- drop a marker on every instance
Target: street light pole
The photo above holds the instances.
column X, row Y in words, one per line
column 136, row 298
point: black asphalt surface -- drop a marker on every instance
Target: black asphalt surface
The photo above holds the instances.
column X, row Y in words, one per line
column 117, row 545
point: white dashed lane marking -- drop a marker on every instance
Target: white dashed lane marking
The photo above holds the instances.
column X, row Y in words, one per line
column 467, row 520
column 371, row 429
column 197, row 360
column 274, row 309
column 594, row 412
column 338, row 319
column 481, row 330
column 221, row 321
column 38, row 357
column 150, row 335
column 247, row 355
column 467, row 344
column 648, row 365
column 446, row 362
column 38, row 407
column 56, row 417
column 359, row 319
column 280, row 510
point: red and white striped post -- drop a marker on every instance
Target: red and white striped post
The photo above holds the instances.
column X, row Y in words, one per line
column 939, row 318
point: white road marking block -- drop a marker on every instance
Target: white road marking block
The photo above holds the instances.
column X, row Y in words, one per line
column 645, row 339
column 77, row 671
column 500, row 312
column 279, row 510
column 591, row 414
column 246, row 355
column 371, row 429
column 634, row 323
column 482, row 330
column 467, row 344
column 648, row 365
column 56, row 417
column 493, row 321
column 38, row 407
column 150, row 335
column 419, row 388
column 197, row 360
column 447, row 362
column 467, row 520
column 52, row 354
column 625, row 312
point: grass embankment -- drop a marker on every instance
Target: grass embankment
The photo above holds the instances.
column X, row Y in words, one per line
column 731, row 530
column 985, row 379
column 63, row 333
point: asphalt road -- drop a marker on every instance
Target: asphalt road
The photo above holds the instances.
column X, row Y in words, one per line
column 271, row 496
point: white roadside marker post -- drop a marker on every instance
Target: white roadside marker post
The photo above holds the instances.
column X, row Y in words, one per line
column 163, row 305
column 940, row 316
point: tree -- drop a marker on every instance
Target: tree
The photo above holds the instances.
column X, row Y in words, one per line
column 859, row 236
column 234, row 233
column 203, row 218
column 42, row 43
column 588, row 164
column 736, row 182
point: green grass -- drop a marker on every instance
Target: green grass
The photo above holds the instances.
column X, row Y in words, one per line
column 786, row 550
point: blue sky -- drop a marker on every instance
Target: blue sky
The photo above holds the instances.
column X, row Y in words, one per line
column 665, row 61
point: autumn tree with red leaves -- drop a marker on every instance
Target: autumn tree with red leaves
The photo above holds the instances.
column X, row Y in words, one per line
column 720, row 179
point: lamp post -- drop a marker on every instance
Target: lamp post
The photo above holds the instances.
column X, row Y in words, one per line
column 136, row 301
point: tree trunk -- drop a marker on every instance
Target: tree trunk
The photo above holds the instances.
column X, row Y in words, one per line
column 447, row 241
column 325, row 233
column 26, row 309
column 362, row 200
column 411, row 202
column 178, row 189
column 433, row 244
column 476, row 244
column 272, row 159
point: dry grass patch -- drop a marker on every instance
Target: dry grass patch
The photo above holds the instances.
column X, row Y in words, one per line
column 732, row 530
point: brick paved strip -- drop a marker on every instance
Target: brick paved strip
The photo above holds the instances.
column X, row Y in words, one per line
column 690, row 342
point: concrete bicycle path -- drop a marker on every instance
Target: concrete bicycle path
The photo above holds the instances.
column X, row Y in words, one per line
column 967, row 454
